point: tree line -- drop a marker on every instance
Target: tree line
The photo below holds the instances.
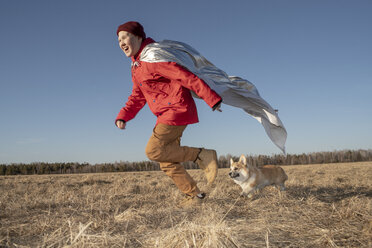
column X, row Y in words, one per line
column 223, row 162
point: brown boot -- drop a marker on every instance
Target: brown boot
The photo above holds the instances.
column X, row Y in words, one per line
column 207, row 160
column 192, row 201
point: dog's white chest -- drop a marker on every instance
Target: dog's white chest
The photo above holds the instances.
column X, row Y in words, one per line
column 247, row 183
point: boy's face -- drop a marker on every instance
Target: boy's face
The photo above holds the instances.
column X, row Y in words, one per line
column 129, row 43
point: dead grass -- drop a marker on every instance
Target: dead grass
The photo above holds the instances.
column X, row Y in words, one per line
column 325, row 205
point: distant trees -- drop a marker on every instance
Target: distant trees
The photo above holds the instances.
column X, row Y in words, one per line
column 310, row 158
column 223, row 161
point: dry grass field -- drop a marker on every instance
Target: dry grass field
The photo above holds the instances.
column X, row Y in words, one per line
column 326, row 205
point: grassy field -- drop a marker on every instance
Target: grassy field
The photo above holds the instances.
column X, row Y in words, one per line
column 328, row 205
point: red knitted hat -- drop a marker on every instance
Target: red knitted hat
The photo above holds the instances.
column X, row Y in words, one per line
column 133, row 28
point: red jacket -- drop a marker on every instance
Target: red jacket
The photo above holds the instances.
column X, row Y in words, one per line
column 165, row 86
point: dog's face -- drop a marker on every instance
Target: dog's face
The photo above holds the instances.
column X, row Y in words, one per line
column 239, row 170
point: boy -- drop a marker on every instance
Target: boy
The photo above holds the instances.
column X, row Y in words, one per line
column 165, row 87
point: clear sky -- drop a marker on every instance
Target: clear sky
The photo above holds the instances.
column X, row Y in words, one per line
column 63, row 78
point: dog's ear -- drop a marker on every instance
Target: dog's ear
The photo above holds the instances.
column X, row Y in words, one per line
column 243, row 160
column 231, row 161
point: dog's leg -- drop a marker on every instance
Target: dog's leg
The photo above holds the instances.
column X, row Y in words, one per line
column 245, row 194
column 249, row 192
column 282, row 187
column 250, row 195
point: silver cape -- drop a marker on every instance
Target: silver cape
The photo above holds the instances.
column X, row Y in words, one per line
column 234, row 91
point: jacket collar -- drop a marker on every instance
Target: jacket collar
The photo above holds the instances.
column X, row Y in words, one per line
column 144, row 43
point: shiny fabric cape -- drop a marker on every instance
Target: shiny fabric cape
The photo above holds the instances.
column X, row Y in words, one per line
column 234, row 91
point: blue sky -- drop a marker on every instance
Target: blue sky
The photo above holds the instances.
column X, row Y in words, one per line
column 64, row 79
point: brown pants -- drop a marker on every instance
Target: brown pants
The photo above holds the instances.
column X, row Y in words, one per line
column 164, row 147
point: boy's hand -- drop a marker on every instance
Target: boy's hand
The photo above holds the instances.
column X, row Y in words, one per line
column 120, row 124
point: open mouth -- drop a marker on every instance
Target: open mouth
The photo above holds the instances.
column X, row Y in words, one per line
column 233, row 175
column 125, row 49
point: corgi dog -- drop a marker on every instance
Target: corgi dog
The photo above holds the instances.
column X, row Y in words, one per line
column 252, row 178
